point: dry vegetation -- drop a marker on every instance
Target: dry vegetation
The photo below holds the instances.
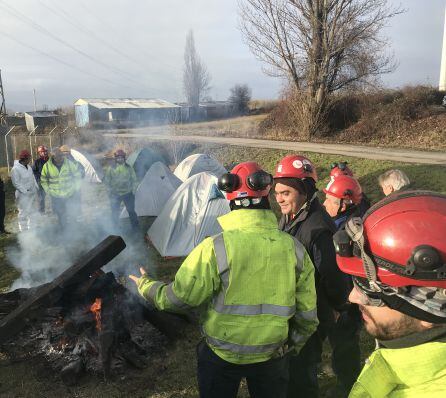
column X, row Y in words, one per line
column 411, row 117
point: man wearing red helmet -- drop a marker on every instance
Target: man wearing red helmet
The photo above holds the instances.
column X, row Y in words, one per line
column 342, row 169
column 255, row 287
column 306, row 219
column 343, row 196
column 121, row 182
column 397, row 258
column 25, row 185
column 37, row 169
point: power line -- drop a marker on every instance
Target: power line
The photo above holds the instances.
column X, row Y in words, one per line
column 61, row 61
column 82, row 28
column 82, row 4
column 22, row 17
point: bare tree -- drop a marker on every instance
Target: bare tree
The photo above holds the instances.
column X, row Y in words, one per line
column 321, row 46
column 239, row 98
column 196, row 78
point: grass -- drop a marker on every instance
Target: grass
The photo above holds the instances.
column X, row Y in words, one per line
column 172, row 375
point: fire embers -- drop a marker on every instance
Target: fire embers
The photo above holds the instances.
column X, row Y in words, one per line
column 95, row 327
column 95, row 308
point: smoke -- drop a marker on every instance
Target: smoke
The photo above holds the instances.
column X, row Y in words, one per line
column 45, row 251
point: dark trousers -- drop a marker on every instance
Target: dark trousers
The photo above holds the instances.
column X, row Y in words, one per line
column 346, row 356
column 303, row 369
column 41, row 197
column 129, row 202
column 2, row 210
column 61, row 209
column 220, row 379
column 343, row 337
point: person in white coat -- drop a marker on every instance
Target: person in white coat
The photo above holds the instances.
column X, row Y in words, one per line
column 22, row 178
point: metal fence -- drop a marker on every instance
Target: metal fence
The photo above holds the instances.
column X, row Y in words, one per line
column 12, row 143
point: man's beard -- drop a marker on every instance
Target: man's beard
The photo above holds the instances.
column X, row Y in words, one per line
column 401, row 327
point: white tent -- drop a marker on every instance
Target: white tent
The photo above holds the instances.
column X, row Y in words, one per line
column 155, row 189
column 93, row 170
column 198, row 163
column 189, row 216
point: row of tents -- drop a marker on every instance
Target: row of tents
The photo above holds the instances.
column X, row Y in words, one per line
column 186, row 203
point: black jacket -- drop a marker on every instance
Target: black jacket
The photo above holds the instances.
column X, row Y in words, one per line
column 37, row 168
column 314, row 228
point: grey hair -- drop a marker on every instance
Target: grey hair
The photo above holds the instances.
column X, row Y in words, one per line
column 395, row 178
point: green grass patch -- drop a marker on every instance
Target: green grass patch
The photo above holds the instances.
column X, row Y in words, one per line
column 431, row 177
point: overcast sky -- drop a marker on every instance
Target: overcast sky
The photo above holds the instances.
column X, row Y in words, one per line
column 134, row 48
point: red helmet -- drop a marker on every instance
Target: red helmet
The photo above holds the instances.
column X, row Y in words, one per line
column 246, row 180
column 24, row 154
column 120, row 154
column 346, row 188
column 42, row 148
column 404, row 241
column 340, row 169
column 295, row 166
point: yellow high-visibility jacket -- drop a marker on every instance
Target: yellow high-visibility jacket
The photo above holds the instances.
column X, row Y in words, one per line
column 120, row 179
column 254, row 285
column 63, row 182
column 412, row 372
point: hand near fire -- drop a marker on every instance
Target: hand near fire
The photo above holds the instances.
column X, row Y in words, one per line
column 136, row 279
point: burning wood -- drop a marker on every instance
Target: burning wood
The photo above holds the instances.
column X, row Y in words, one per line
column 87, row 321
column 96, row 310
column 48, row 294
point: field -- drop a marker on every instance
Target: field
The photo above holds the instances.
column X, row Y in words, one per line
column 173, row 374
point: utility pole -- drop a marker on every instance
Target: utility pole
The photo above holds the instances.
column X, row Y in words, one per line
column 35, row 103
column 3, row 121
column 442, row 85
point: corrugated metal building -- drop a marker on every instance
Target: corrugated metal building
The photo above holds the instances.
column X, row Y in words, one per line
column 42, row 119
column 124, row 112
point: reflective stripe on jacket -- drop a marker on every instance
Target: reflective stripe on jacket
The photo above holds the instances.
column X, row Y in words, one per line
column 60, row 183
column 120, row 179
column 413, row 372
column 252, row 282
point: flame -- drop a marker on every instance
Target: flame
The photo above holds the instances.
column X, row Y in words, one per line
column 96, row 310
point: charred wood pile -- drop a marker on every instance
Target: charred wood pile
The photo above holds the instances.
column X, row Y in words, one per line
column 85, row 321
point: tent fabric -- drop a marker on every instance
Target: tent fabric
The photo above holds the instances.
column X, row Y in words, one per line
column 155, row 189
column 189, row 216
column 142, row 159
column 198, row 163
column 93, row 170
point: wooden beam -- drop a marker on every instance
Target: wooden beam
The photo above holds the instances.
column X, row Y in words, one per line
column 48, row 294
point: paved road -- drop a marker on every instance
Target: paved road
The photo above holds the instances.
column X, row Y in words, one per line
column 400, row 155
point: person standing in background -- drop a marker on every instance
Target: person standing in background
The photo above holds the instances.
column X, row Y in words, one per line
column 76, row 207
column 120, row 180
column 60, row 179
column 2, row 207
column 37, row 169
column 23, row 180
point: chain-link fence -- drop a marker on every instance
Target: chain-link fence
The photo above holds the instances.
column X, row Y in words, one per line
column 12, row 143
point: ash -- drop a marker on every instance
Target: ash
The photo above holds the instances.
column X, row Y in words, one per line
column 72, row 341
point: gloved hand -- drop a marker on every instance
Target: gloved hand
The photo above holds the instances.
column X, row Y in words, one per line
column 140, row 279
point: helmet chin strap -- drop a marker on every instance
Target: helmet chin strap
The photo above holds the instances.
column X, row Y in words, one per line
column 355, row 229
